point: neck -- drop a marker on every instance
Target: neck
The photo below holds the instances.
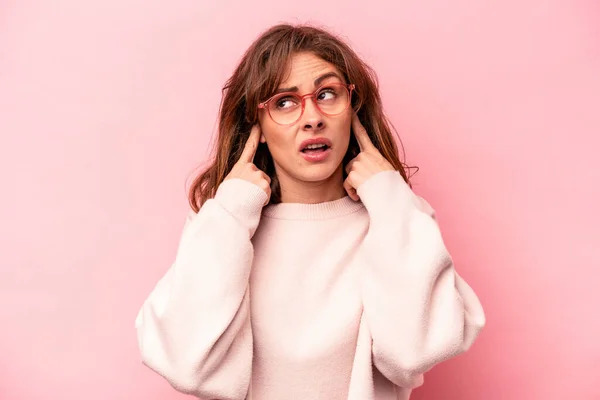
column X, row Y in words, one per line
column 296, row 191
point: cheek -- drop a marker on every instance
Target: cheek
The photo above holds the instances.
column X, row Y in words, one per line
column 280, row 142
column 268, row 129
column 348, row 120
column 280, row 145
column 344, row 130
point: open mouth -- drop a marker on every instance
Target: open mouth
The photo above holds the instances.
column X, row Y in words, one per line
column 315, row 148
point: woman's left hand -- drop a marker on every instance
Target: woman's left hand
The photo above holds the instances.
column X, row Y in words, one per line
column 366, row 164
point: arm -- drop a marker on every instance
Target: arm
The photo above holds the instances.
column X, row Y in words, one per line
column 194, row 328
column 419, row 311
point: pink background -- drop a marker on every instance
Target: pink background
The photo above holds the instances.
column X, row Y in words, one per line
column 107, row 107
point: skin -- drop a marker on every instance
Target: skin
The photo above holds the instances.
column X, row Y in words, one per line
column 302, row 181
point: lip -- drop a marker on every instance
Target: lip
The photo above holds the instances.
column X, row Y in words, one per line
column 319, row 156
column 320, row 140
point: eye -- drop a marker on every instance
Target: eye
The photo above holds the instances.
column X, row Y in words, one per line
column 327, row 94
column 285, row 103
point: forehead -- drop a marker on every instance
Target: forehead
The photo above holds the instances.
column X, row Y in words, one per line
column 304, row 68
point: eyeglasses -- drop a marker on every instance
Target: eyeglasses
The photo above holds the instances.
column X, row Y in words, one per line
column 330, row 99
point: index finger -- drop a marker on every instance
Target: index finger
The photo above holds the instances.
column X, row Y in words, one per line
column 362, row 137
column 251, row 145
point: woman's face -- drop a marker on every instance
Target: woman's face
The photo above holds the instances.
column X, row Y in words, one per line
column 294, row 163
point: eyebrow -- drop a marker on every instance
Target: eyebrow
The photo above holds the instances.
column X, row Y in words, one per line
column 317, row 82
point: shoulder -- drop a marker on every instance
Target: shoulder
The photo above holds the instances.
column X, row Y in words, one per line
column 191, row 214
column 424, row 206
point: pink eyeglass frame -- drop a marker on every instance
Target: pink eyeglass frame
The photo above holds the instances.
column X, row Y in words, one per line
column 349, row 86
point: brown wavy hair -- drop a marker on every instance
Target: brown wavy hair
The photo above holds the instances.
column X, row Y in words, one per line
column 261, row 70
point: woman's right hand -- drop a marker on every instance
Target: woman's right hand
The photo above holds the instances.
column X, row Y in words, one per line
column 245, row 168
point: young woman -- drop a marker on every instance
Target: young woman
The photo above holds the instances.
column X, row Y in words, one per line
column 308, row 269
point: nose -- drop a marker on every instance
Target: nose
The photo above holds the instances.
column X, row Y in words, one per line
column 312, row 118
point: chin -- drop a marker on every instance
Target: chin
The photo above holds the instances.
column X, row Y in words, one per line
column 317, row 173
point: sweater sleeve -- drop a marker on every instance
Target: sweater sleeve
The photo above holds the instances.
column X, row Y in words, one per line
column 194, row 328
column 419, row 310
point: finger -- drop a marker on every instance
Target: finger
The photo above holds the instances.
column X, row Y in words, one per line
column 266, row 177
column 362, row 137
column 251, row 145
column 350, row 190
column 268, row 192
column 349, row 165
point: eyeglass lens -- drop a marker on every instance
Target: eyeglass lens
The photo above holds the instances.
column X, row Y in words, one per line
column 331, row 99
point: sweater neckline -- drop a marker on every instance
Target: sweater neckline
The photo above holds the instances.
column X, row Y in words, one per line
column 317, row 211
